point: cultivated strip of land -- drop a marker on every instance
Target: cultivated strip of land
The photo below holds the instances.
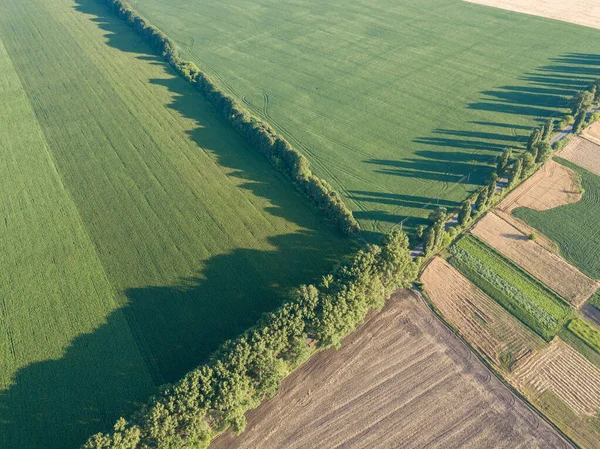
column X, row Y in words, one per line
column 552, row 270
column 484, row 323
column 583, row 152
column 401, row 380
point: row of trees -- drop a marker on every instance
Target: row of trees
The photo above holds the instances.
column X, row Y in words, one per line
column 250, row 368
column 259, row 134
column 582, row 103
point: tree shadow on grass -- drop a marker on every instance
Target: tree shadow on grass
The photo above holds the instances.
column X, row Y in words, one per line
column 464, row 158
column 59, row 403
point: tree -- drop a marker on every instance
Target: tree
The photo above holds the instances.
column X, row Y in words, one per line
column 482, row 199
column 516, row 172
column 420, row 231
column 534, row 138
column 534, row 151
column 579, row 121
column 429, row 243
column 492, row 185
column 503, row 160
column 528, row 163
column 597, row 94
column 464, row 214
column 582, row 102
column 548, row 129
column 544, row 152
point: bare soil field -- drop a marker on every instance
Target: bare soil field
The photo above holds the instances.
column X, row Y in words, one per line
column 551, row 186
column 552, row 270
column 583, row 152
column 593, row 132
column 401, row 380
column 564, row 372
column 479, row 319
column 580, row 12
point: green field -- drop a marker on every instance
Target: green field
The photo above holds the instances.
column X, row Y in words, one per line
column 587, row 332
column 574, row 227
column 138, row 231
column 392, row 101
column 523, row 296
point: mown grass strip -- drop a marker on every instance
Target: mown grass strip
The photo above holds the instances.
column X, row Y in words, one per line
column 535, row 305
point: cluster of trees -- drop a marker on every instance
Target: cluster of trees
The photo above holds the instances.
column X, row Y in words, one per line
column 247, row 370
column 259, row 134
column 582, row 103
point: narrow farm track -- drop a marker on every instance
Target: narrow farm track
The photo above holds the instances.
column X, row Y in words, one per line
column 401, row 380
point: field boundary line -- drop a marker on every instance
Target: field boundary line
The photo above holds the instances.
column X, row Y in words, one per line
column 421, row 295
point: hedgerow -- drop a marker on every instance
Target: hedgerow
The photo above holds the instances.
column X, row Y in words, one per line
column 244, row 371
column 259, row 134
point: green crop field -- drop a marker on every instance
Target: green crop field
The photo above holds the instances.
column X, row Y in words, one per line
column 138, row 231
column 587, row 332
column 514, row 289
column 393, row 102
column 574, row 227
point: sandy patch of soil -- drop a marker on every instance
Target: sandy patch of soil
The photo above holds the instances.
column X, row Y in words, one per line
column 401, row 380
column 481, row 321
column 583, row 152
column 551, row 186
column 552, row 270
column 564, row 372
column 580, row 12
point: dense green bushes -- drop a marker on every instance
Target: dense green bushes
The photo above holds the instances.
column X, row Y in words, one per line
column 250, row 368
column 259, row 134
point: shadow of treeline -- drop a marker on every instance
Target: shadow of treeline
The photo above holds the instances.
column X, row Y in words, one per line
column 466, row 155
column 59, row 403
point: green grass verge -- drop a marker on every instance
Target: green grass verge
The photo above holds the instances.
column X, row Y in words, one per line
column 574, row 227
column 138, row 230
column 523, row 296
column 587, row 332
column 392, row 102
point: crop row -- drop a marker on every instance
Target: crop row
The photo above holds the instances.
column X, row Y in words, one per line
column 520, row 294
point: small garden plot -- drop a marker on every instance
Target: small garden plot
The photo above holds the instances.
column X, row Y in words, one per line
column 527, row 299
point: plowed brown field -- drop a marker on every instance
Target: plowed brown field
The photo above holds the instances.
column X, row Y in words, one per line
column 564, row 372
column 581, row 12
column 584, row 153
column 401, row 380
column 479, row 319
column 551, row 186
column 552, row 270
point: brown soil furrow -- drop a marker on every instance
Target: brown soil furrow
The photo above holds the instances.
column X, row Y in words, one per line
column 564, row 372
column 413, row 379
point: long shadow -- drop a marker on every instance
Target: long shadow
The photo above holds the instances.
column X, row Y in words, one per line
column 466, row 155
column 59, row 403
